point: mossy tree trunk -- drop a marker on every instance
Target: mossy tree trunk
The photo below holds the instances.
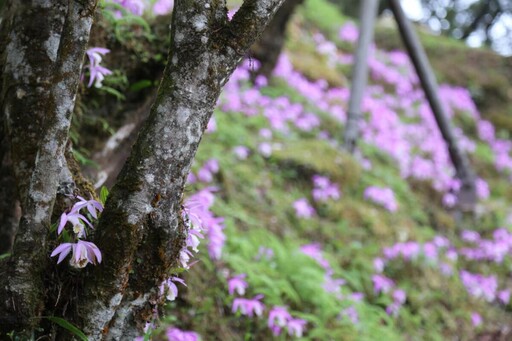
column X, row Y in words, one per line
column 140, row 232
column 42, row 61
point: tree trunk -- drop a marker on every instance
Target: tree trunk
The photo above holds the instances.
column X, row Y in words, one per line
column 268, row 49
column 143, row 213
column 43, row 60
column 140, row 232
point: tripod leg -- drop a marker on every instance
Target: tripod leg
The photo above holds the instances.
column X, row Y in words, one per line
column 467, row 195
column 368, row 16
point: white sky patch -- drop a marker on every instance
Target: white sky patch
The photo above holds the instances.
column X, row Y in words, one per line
column 413, row 9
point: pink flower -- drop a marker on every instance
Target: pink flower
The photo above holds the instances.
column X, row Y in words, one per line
column 384, row 197
column 171, row 288
column 76, row 220
column 175, row 334
column 248, row 307
column 83, row 253
column 296, row 327
column 241, row 152
column 382, row 284
column 504, row 296
column 351, row 314
column 92, row 206
column 349, row 32
column 303, row 209
column 97, row 72
column 134, row 6
column 163, row 7
column 476, row 319
column 238, row 284
column 378, row 265
column 278, row 317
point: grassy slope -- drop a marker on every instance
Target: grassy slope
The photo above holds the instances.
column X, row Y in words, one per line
column 256, row 196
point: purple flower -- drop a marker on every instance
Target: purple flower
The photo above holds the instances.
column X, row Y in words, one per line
column 175, row 334
column 163, row 7
column 303, row 209
column 324, row 189
column 315, row 251
column 349, row 32
column 265, row 149
column 378, row 265
column 399, row 296
column 238, row 284
column 134, row 6
column 296, row 327
column 351, row 314
column 171, row 288
column 504, row 296
column 470, row 236
column 382, row 196
column 83, row 253
column 248, row 307
column 241, row 152
column 92, row 206
column 97, row 72
column 476, row 319
column 76, row 220
column 278, row 317
column 382, row 284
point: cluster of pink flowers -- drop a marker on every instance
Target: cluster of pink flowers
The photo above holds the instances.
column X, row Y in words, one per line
column 384, row 197
column 97, row 72
column 324, row 189
column 201, row 218
column 480, row 286
column 495, row 249
column 303, row 209
column 84, row 252
column 278, row 317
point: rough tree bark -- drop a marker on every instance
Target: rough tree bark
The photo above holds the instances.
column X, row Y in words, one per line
column 43, row 60
column 143, row 213
column 140, row 231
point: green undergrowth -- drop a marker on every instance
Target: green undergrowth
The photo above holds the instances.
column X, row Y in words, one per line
column 255, row 196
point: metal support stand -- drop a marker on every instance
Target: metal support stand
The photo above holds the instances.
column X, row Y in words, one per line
column 368, row 14
column 467, row 193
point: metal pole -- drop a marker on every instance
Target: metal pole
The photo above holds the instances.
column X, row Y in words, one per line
column 368, row 15
column 467, row 194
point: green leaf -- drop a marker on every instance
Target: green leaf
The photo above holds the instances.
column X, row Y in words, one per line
column 145, row 83
column 69, row 327
column 103, row 195
column 4, row 255
column 113, row 92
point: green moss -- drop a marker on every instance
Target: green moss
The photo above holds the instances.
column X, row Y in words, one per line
column 317, row 156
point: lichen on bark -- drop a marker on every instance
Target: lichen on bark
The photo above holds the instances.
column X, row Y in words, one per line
column 42, row 65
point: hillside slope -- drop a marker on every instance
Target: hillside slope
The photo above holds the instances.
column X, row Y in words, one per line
column 302, row 240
